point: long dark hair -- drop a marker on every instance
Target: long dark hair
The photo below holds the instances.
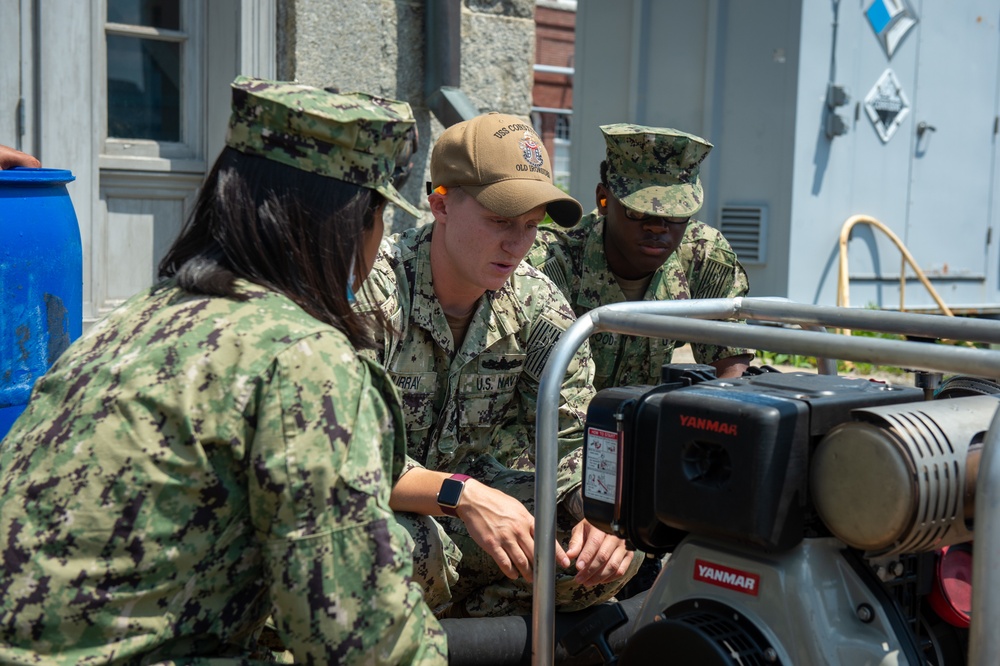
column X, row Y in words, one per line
column 283, row 228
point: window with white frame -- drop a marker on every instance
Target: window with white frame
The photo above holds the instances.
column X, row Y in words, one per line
column 153, row 83
column 562, row 127
column 561, row 147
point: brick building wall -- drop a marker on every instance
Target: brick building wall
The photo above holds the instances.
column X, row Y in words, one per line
column 555, row 25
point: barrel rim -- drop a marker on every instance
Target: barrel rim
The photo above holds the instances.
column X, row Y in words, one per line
column 40, row 175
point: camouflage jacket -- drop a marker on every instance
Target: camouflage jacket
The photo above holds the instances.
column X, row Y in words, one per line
column 704, row 266
column 479, row 401
column 193, row 464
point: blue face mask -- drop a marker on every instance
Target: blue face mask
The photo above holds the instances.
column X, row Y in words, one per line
column 350, row 285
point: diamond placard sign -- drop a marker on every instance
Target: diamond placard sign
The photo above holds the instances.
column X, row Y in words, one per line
column 886, row 105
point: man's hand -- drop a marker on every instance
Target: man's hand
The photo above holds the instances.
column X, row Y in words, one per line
column 503, row 528
column 12, row 158
column 600, row 557
column 732, row 366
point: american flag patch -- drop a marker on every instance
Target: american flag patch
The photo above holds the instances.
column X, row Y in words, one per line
column 551, row 270
column 715, row 280
column 543, row 335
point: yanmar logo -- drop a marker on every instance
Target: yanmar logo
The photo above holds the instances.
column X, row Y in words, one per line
column 699, row 423
column 731, row 579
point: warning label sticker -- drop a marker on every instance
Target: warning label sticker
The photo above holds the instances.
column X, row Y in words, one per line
column 886, row 105
column 602, row 465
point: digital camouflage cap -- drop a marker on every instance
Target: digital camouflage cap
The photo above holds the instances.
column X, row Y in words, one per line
column 353, row 137
column 654, row 170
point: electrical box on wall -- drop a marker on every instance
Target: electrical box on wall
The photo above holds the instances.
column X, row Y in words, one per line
column 819, row 111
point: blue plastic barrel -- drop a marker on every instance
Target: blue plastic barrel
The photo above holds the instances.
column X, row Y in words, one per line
column 41, row 281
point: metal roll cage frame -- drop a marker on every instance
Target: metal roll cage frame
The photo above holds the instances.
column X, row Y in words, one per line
column 696, row 321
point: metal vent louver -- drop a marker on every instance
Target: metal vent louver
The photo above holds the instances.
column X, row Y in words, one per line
column 745, row 227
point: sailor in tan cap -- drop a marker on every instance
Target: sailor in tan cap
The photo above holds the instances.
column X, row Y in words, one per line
column 475, row 327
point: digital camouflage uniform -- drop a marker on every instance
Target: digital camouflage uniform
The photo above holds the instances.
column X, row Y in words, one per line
column 194, row 464
column 188, row 462
column 473, row 412
column 704, row 266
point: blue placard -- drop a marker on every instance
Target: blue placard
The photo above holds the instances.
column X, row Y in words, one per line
column 878, row 16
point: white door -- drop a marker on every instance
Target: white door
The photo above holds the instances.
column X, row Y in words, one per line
column 954, row 113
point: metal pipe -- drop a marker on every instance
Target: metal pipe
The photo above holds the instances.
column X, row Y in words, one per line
column 708, row 308
column 903, row 323
column 824, row 365
column 984, row 639
column 443, row 28
column 543, row 604
column 919, row 356
column 551, row 109
column 554, row 69
column 679, row 320
column 443, row 68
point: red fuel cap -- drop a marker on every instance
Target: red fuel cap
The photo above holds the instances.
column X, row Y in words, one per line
column 951, row 595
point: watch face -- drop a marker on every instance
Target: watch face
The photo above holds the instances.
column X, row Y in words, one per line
column 450, row 493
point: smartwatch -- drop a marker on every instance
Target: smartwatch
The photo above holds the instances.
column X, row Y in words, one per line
column 451, row 492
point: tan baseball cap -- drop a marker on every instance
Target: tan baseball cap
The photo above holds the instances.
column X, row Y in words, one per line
column 501, row 162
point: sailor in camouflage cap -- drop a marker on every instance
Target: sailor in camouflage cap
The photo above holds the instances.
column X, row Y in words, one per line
column 354, row 137
column 654, row 170
column 641, row 244
column 215, row 451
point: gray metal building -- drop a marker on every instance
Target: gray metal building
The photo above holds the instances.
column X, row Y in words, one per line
column 819, row 110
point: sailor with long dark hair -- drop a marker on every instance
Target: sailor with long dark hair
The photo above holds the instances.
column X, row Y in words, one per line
column 215, row 451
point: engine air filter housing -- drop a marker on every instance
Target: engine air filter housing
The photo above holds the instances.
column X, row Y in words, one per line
column 895, row 479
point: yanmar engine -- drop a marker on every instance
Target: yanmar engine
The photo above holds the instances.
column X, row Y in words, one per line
column 809, row 518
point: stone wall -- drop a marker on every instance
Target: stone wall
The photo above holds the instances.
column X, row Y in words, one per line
column 378, row 46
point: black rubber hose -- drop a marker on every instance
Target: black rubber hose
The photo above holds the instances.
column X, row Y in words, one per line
column 488, row 641
column 506, row 641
